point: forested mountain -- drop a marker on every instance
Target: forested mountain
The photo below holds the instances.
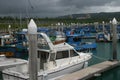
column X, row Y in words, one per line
column 102, row 15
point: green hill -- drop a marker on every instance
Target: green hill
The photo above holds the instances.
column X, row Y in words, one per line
column 94, row 16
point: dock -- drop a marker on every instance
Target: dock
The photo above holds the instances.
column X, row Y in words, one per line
column 91, row 71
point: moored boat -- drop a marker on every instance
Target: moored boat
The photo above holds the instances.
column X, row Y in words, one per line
column 75, row 39
column 12, row 46
column 103, row 37
column 53, row 61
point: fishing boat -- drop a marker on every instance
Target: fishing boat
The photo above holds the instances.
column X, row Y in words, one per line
column 103, row 37
column 16, row 44
column 6, row 44
column 53, row 61
column 13, row 46
column 55, row 36
column 75, row 39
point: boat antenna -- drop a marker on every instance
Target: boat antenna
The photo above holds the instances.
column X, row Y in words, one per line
column 28, row 3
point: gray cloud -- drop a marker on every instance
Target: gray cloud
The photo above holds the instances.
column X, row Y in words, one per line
column 84, row 3
column 52, row 8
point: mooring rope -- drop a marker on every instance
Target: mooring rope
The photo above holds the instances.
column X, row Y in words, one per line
column 103, row 59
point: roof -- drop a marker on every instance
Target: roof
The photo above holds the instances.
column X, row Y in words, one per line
column 59, row 47
column 63, row 47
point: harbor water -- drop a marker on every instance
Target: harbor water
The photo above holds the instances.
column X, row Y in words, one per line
column 103, row 52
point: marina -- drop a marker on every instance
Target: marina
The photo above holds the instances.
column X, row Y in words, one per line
column 59, row 40
column 55, row 60
column 101, row 54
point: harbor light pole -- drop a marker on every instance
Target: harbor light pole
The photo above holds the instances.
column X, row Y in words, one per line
column 110, row 23
column 103, row 26
column 32, row 39
column 9, row 29
column 114, row 39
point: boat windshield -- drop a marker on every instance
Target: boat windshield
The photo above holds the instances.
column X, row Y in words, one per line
column 73, row 53
column 42, row 43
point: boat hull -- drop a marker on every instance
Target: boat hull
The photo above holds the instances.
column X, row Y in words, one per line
column 51, row 75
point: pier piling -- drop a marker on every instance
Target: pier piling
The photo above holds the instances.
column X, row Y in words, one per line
column 114, row 38
column 32, row 38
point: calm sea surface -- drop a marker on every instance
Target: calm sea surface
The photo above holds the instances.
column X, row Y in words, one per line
column 102, row 53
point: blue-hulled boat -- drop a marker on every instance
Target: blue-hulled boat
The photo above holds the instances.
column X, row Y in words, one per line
column 12, row 46
column 75, row 40
column 103, row 37
column 16, row 44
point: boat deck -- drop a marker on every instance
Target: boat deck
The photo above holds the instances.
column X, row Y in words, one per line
column 10, row 62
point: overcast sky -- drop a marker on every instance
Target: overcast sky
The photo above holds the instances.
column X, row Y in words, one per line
column 53, row 8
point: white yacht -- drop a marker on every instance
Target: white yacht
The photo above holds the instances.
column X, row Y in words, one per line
column 53, row 61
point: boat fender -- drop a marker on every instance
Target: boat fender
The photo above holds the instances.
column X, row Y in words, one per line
column 85, row 64
column 44, row 76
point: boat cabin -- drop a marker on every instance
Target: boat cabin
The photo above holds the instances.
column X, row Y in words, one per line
column 56, row 57
column 51, row 56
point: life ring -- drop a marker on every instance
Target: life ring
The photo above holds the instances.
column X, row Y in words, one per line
column 9, row 54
